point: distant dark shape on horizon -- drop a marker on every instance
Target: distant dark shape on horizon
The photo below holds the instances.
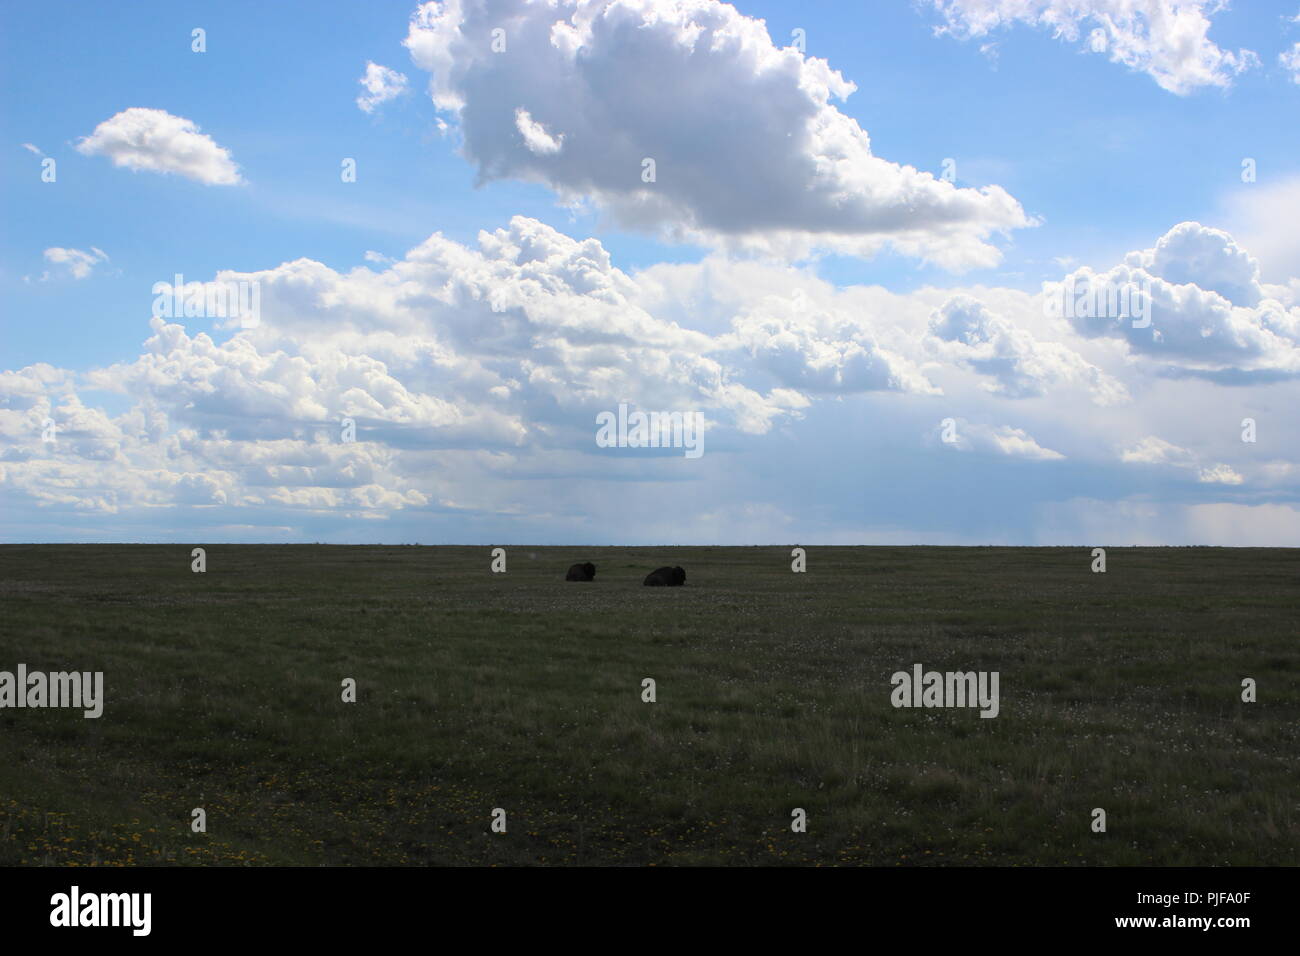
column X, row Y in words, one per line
column 665, row 578
column 581, row 572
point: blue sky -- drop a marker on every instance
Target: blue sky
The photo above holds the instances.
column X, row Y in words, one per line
column 800, row 274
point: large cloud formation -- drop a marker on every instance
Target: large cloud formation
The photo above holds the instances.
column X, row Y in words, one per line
column 1166, row 39
column 473, row 375
column 748, row 149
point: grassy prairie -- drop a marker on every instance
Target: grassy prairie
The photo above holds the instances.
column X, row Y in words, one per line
column 521, row 691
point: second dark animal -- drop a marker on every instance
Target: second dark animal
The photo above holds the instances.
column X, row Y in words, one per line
column 581, row 572
column 665, row 578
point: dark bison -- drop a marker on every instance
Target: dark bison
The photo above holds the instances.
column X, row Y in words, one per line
column 665, row 578
column 581, row 572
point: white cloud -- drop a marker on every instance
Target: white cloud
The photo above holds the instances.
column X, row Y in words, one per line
column 1290, row 60
column 535, row 136
column 1019, row 365
column 1219, row 474
column 140, row 138
column 460, row 366
column 435, row 341
column 473, row 373
column 1209, row 313
column 1166, row 39
column 997, row 439
column 749, row 150
column 815, row 350
column 1156, row 451
column 79, row 264
column 1209, row 258
column 380, row 84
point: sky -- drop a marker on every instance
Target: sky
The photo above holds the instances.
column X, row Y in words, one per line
column 1018, row 272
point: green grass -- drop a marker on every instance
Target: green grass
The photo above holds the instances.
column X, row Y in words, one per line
column 521, row 691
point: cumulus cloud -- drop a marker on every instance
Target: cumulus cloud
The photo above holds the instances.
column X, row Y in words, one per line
column 79, row 264
column 379, row 84
column 473, row 373
column 1017, row 364
column 1209, row 315
column 452, row 345
column 1166, row 39
column 452, row 362
column 140, row 138
column 1192, row 254
column 816, row 350
column 748, row 149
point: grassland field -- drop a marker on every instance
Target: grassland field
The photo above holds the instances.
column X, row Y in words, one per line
column 521, row 691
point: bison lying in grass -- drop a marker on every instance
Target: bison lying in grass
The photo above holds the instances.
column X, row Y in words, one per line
column 581, row 572
column 665, row 578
